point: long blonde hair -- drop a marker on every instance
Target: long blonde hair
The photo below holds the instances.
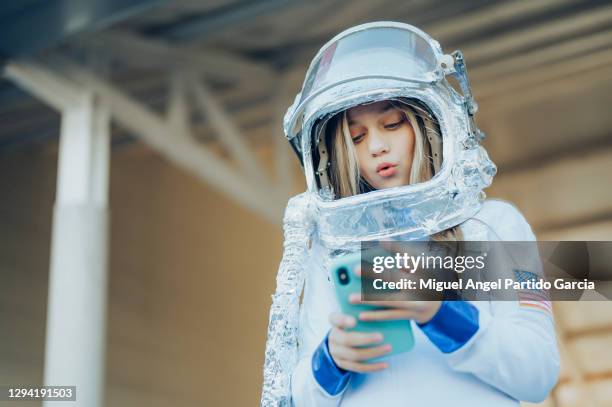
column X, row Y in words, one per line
column 345, row 177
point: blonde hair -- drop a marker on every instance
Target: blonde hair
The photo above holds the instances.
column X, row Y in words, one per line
column 345, row 177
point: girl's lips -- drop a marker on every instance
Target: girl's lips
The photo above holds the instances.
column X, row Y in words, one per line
column 387, row 171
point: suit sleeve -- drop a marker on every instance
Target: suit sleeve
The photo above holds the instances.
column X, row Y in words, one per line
column 507, row 344
column 316, row 380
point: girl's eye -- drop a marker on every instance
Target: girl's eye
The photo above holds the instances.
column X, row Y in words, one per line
column 358, row 138
column 392, row 126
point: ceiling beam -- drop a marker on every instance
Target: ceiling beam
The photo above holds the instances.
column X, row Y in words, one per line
column 198, row 27
column 143, row 52
column 156, row 132
column 488, row 17
column 227, row 132
column 496, row 46
column 53, row 90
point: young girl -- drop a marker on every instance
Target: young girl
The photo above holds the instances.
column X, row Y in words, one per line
column 391, row 151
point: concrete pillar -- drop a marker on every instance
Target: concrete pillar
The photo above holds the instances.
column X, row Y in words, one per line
column 76, row 314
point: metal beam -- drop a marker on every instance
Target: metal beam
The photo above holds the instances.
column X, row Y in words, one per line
column 496, row 46
column 141, row 51
column 228, row 134
column 178, row 115
column 459, row 28
column 542, row 57
column 530, row 82
column 53, row 90
column 198, row 27
column 156, row 132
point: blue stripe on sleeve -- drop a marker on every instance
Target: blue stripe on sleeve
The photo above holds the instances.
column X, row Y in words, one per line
column 330, row 377
column 452, row 326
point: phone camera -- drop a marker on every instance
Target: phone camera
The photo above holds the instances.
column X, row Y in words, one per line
column 343, row 275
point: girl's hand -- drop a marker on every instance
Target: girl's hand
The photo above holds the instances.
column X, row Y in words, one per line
column 420, row 311
column 347, row 347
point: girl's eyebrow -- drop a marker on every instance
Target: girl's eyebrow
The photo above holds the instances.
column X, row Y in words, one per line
column 386, row 108
column 382, row 110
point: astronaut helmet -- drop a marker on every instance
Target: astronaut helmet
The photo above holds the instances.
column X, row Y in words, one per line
column 398, row 67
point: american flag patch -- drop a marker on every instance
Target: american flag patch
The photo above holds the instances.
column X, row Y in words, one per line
column 533, row 299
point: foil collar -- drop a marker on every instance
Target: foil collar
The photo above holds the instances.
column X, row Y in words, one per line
column 411, row 211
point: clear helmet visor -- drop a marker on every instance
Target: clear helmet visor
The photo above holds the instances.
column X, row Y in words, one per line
column 378, row 50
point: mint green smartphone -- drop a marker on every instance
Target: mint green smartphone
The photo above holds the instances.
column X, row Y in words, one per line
column 396, row 333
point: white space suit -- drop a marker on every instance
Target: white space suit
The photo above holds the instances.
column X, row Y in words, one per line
column 511, row 356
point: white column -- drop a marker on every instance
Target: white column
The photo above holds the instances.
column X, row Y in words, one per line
column 76, row 313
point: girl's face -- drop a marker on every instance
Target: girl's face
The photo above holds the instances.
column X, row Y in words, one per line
column 384, row 143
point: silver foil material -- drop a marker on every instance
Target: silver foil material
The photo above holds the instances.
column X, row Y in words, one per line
column 281, row 347
column 411, row 212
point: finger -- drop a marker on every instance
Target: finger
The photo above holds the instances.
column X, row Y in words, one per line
column 382, row 303
column 340, row 320
column 362, row 367
column 357, row 270
column 360, row 354
column 361, row 338
column 386, row 315
column 372, row 352
column 341, row 337
column 355, row 298
column 411, row 305
column 337, row 337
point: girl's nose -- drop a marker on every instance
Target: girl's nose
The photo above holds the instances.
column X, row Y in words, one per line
column 377, row 144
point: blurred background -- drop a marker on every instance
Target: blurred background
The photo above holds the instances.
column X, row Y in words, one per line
column 172, row 173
